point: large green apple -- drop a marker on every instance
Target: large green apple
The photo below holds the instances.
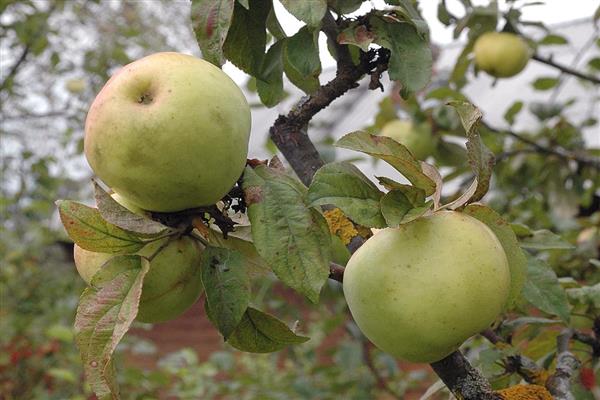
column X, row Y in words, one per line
column 168, row 132
column 501, row 54
column 171, row 286
column 416, row 138
column 420, row 290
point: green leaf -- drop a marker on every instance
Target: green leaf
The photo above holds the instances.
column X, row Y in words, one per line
column 544, row 83
column 247, row 37
column 291, row 237
column 545, row 240
column 105, row 312
column 594, row 63
column 398, row 209
column 343, row 185
column 516, row 258
column 259, row 332
column 211, row 20
column 86, row 227
column 309, row 11
column 513, row 110
column 481, row 158
column 393, row 153
column 238, row 240
column 301, row 61
column 120, row 216
column 344, row 6
column 270, row 82
column 586, row 295
column 415, row 195
column 227, row 287
column 411, row 58
column 358, row 35
column 553, row 40
column 274, row 26
column 543, row 290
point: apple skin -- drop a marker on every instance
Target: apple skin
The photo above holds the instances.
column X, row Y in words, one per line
column 172, row 284
column 420, row 290
column 168, row 132
column 417, row 139
column 501, row 54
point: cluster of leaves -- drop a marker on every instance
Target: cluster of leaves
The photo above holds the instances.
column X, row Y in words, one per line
column 239, row 31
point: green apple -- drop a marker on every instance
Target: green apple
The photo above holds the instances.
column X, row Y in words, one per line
column 172, row 285
column 501, row 54
column 173, row 282
column 76, row 86
column 416, row 138
column 168, row 132
column 420, row 290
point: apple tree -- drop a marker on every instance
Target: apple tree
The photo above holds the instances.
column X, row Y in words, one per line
column 430, row 267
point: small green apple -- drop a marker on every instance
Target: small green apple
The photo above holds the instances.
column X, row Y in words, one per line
column 416, row 138
column 501, row 54
column 420, row 290
column 168, row 132
column 76, row 86
column 172, row 285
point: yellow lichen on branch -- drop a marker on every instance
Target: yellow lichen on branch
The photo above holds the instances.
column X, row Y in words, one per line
column 525, row 392
column 343, row 227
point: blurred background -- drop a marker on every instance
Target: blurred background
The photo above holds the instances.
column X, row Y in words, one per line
column 55, row 56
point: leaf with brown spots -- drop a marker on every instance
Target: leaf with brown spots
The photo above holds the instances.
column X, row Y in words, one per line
column 211, row 20
column 481, row 158
column 105, row 312
column 86, row 227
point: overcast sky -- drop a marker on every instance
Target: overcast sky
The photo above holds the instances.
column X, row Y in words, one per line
column 552, row 12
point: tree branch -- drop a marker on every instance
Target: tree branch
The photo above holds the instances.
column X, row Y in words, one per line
column 336, row 272
column 559, row 384
column 381, row 381
column 556, row 151
column 566, row 70
column 464, row 381
column 289, row 131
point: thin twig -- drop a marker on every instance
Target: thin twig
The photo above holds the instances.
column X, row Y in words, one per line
column 519, row 364
column 590, row 42
column 566, row 70
column 556, row 151
column 336, row 272
column 382, row 383
column 591, row 341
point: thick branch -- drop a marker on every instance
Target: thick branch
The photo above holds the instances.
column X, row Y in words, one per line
column 289, row 131
column 566, row 70
column 559, row 384
column 462, row 379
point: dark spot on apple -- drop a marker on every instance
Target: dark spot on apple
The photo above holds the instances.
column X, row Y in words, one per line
column 145, row 98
